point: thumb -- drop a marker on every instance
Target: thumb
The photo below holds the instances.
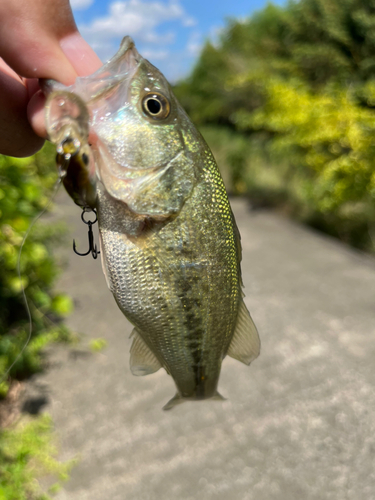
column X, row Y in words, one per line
column 83, row 60
column 39, row 39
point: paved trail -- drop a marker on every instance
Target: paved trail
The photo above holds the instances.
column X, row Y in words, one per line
column 298, row 424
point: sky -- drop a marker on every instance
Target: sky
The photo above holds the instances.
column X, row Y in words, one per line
column 169, row 33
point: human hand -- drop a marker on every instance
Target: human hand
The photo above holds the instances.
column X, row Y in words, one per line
column 38, row 39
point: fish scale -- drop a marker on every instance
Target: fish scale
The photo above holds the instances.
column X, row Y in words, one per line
column 169, row 243
column 179, row 331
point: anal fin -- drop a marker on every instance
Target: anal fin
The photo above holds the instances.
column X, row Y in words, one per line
column 176, row 400
column 142, row 360
column 245, row 344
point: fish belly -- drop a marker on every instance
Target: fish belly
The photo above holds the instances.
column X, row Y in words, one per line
column 178, row 284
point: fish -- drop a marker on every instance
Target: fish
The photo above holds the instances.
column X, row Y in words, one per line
column 170, row 246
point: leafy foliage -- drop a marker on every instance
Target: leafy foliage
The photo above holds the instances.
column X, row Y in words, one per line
column 27, row 452
column 25, row 189
column 296, row 86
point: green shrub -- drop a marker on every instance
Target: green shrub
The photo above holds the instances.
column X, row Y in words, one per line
column 264, row 176
column 26, row 453
column 26, row 185
column 25, row 189
column 294, row 88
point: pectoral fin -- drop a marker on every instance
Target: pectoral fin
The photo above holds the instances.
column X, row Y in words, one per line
column 245, row 345
column 142, row 360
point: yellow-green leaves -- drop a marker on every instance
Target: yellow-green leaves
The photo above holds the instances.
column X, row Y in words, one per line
column 97, row 345
column 28, row 452
column 298, row 82
column 25, row 188
column 62, row 304
column 328, row 132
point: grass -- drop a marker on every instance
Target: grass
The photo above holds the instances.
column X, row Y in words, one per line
column 27, row 453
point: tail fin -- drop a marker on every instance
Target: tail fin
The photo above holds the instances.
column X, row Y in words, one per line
column 218, row 397
column 177, row 400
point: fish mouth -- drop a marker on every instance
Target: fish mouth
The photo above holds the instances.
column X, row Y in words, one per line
column 81, row 100
column 121, row 67
column 71, row 111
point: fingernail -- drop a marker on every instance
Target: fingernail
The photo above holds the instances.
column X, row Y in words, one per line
column 80, row 54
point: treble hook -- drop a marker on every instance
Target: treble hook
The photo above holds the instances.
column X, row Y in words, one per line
column 92, row 248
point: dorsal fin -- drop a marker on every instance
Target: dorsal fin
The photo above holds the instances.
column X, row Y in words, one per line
column 142, row 360
column 245, row 344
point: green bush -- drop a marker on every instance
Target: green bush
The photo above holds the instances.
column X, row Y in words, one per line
column 26, row 453
column 294, row 89
column 250, row 167
column 25, row 189
column 327, row 133
column 26, row 185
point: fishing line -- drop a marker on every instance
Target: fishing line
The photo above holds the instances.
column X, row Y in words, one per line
column 34, row 221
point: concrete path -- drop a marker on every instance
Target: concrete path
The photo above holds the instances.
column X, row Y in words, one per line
column 298, row 424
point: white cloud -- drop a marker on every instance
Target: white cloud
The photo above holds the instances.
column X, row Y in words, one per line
column 137, row 18
column 153, row 24
column 81, row 4
column 189, row 22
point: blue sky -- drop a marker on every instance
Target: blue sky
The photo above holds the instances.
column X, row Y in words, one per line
column 169, row 33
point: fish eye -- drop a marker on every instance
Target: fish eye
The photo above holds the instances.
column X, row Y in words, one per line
column 85, row 159
column 156, row 106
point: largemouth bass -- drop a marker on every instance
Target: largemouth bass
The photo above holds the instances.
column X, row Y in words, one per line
column 170, row 246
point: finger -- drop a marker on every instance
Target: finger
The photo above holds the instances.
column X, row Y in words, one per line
column 32, row 85
column 30, row 34
column 85, row 62
column 17, row 138
column 35, row 114
column 81, row 56
column 38, row 39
